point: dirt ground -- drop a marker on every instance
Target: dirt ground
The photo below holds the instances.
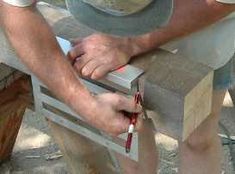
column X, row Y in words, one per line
column 35, row 146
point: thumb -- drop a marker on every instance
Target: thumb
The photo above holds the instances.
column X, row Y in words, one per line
column 128, row 105
column 122, row 123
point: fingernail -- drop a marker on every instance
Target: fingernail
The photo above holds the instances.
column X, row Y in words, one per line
column 85, row 71
column 93, row 77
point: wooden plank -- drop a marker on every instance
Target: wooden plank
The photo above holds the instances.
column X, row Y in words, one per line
column 175, row 88
column 13, row 102
column 232, row 90
column 232, row 94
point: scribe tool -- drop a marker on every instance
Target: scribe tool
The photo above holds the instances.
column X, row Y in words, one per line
column 133, row 121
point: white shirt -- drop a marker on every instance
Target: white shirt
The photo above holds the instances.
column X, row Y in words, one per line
column 24, row 3
column 20, row 3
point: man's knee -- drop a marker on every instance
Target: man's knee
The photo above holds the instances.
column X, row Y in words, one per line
column 205, row 136
column 200, row 144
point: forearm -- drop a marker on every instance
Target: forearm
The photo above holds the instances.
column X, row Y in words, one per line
column 36, row 46
column 188, row 16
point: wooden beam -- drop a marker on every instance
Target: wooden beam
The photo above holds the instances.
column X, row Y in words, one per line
column 177, row 92
column 232, row 90
column 13, row 101
column 232, row 94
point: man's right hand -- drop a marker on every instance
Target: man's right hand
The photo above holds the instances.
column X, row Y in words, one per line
column 107, row 113
column 46, row 60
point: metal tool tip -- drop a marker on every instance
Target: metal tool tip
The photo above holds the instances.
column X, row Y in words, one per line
column 128, row 150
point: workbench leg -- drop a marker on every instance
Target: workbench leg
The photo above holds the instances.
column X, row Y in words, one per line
column 12, row 107
column 83, row 156
column 232, row 94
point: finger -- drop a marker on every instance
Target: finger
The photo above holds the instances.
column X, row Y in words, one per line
column 101, row 71
column 73, row 60
column 70, row 58
column 117, row 125
column 76, row 51
column 80, row 63
column 122, row 124
column 127, row 104
column 90, row 66
column 139, row 123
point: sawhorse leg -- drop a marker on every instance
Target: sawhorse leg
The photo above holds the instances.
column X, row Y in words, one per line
column 232, row 94
column 13, row 102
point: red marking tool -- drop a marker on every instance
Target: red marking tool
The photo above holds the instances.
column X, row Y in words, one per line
column 133, row 121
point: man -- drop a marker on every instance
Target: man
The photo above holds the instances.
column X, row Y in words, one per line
column 99, row 54
column 22, row 24
column 198, row 155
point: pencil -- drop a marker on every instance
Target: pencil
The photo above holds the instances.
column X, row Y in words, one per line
column 133, row 121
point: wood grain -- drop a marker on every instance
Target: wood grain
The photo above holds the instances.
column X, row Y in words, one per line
column 13, row 102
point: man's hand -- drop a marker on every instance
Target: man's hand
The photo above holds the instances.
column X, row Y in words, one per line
column 98, row 54
column 106, row 113
column 47, row 61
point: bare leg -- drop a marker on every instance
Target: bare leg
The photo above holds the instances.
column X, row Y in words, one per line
column 82, row 155
column 201, row 152
column 148, row 156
